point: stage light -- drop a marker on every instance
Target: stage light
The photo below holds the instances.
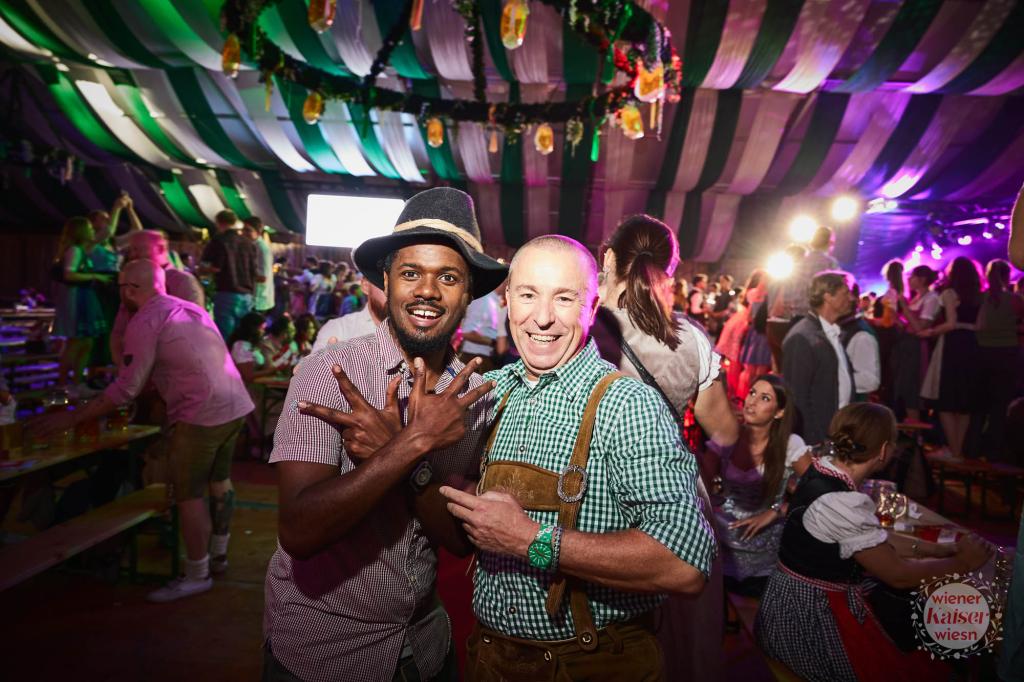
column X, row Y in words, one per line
column 802, row 227
column 986, row 234
column 348, row 221
column 1000, row 226
column 964, row 240
column 779, row 265
column 918, row 249
column 845, row 208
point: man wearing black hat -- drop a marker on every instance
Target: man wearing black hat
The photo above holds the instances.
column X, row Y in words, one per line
column 350, row 589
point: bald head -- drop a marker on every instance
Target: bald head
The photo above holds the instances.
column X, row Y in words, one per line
column 567, row 247
column 148, row 245
column 141, row 280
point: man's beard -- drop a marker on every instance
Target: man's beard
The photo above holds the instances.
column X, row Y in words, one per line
column 416, row 343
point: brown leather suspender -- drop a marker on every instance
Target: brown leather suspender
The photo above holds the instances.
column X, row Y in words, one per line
column 538, row 489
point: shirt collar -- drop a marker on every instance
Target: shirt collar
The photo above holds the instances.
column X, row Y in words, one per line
column 392, row 359
column 830, row 328
column 575, row 377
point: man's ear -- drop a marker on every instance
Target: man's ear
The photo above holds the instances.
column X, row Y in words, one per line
column 385, row 274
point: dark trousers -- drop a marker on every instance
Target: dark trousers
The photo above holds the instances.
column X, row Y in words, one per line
column 776, row 332
column 406, row 671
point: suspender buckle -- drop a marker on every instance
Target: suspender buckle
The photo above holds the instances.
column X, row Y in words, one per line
column 562, row 495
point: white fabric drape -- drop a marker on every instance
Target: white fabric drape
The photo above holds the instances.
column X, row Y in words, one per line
column 1011, row 78
column 445, row 32
column 356, row 35
column 762, row 141
column 164, row 106
column 538, row 59
column 396, row 145
column 887, row 114
column 255, row 196
column 269, row 125
column 823, row 32
column 472, row 145
column 977, row 37
column 335, row 124
column 955, row 114
column 715, row 236
column 123, row 128
column 738, row 34
column 12, row 39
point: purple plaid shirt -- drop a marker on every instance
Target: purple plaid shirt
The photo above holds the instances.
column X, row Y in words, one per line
column 346, row 613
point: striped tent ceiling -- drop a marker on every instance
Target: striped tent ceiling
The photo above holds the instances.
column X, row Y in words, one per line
column 786, row 100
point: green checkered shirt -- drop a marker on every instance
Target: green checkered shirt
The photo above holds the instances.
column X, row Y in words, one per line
column 640, row 476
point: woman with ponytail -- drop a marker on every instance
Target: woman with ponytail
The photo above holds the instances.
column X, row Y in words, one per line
column 636, row 330
column 820, row 616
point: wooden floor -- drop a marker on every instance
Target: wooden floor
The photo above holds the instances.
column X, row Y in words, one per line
column 71, row 623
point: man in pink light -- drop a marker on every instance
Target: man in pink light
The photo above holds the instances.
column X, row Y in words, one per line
column 174, row 344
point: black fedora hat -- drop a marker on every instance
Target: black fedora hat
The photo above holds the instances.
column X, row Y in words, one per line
column 441, row 214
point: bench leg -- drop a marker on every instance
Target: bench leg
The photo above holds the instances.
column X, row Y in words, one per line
column 176, row 531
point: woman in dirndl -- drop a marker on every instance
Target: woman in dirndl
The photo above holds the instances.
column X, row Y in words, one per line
column 819, row 615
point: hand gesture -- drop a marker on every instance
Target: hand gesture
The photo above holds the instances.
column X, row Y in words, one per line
column 365, row 429
column 494, row 522
column 438, row 420
column 973, row 552
column 755, row 524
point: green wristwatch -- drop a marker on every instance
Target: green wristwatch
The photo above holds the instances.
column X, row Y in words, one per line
column 541, row 552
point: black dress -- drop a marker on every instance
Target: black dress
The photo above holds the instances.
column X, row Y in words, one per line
column 958, row 380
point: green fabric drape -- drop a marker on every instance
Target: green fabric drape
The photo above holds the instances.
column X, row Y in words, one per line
column 138, row 111
column 490, row 12
column 906, row 31
column 71, row 103
column 754, row 218
column 703, row 33
column 1000, row 52
column 279, row 200
column 441, row 157
column 371, row 145
column 581, row 63
column 777, row 26
column 904, row 139
column 293, row 18
column 404, row 58
column 20, row 16
column 180, row 201
column 829, row 109
column 673, row 153
column 313, row 140
column 689, row 226
column 513, row 193
column 190, row 93
column 232, row 197
column 119, row 33
column 727, row 116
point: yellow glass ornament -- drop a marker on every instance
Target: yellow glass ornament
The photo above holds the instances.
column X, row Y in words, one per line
column 435, row 132
column 544, row 139
column 493, row 146
column 513, row 23
column 632, row 122
column 416, row 17
column 321, row 14
column 231, row 56
column 650, row 85
column 313, row 108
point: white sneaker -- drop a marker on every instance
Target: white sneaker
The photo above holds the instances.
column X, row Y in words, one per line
column 181, row 587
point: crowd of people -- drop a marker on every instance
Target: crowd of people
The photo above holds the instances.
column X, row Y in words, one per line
column 532, row 413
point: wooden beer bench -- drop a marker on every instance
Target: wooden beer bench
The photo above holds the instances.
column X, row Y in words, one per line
column 985, row 474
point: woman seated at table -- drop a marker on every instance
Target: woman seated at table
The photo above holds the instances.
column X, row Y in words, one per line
column 246, row 350
column 754, row 473
column 814, row 616
column 279, row 345
column 306, row 328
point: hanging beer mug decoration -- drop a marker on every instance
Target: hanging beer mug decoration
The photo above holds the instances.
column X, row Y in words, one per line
column 435, row 132
column 513, row 23
column 231, row 56
column 321, row 14
column 544, row 139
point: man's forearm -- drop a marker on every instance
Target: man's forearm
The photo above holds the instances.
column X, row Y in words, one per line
column 714, row 414
column 322, row 513
column 628, row 560
column 443, row 529
column 94, row 409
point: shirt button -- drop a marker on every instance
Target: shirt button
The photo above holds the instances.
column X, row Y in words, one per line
column 512, row 610
column 522, row 449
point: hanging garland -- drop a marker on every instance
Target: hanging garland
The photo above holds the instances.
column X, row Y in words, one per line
column 603, row 23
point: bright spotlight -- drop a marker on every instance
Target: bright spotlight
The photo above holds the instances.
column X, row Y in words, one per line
column 918, row 248
column 845, row 208
column 802, row 228
column 779, row 265
column 986, row 234
column 964, row 240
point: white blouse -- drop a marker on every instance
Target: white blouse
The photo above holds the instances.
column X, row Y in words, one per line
column 847, row 518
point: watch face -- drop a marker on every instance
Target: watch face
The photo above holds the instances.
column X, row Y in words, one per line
column 540, row 554
column 423, row 474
